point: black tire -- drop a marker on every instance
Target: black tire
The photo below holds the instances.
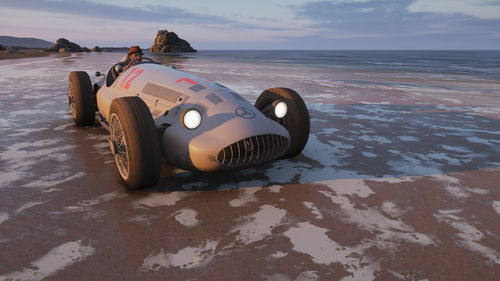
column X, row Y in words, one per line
column 296, row 121
column 81, row 98
column 134, row 142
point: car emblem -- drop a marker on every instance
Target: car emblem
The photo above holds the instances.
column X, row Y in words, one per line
column 244, row 112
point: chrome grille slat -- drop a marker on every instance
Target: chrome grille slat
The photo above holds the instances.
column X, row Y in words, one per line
column 231, row 157
column 238, row 158
column 268, row 144
column 252, row 150
column 253, row 142
column 223, row 157
column 258, row 147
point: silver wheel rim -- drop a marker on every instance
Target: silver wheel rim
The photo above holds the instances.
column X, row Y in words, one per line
column 71, row 100
column 120, row 146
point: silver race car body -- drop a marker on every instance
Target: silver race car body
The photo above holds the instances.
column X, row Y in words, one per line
column 200, row 125
column 232, row 132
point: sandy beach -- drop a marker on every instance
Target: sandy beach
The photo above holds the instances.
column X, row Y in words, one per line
column 399, row 181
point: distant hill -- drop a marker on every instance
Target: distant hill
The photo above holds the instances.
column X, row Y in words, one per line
column 25, row 42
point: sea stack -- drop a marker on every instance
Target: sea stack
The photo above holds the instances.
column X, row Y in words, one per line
column 64, row 45
column 169, row 42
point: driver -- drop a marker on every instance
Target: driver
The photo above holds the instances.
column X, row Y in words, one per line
column 134, row 56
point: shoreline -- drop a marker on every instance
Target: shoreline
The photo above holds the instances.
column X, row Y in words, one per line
column 30, row 53
column 35, row 53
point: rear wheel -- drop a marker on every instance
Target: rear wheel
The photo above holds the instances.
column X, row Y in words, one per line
column 134, row 142
column 81, row 98
column 296, row 119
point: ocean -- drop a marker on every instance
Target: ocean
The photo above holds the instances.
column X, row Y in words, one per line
column 354, row 76
column 483, row 64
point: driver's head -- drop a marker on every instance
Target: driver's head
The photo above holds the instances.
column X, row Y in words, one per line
column 135, row 53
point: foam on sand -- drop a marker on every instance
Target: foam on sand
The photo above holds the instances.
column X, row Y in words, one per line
column 55, row 260
column 187, row 217
column 259, row 225
column 314, row 210
column 496, row 206
column 161, row 199
column 468, row 235
column 313, row 241
column 4, row 217
column 186, row 258
column 246, row 196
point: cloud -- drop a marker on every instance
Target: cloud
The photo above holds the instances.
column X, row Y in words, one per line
column 390, row 18
column 484, row 9
column 144, row 13
column 383, row 17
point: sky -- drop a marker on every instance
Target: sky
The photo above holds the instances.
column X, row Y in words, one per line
column 257, row 24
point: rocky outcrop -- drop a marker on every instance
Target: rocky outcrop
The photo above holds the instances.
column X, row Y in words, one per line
column 169, row 42
column 96, row 49
column 12, row 50
column 65, row 46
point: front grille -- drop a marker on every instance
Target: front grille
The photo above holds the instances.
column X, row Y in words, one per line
column 252, row 150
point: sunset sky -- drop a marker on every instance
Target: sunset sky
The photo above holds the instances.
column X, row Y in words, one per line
column 270, row 24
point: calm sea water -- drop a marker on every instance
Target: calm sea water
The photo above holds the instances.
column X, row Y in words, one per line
column 484, row 64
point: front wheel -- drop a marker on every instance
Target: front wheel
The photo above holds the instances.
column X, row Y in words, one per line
column 295, row 120
column 134, row 142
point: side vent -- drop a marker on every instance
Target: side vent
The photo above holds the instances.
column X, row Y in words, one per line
column 163, row 93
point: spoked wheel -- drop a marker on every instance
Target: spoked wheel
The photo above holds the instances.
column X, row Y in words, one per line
column 134, row 142
column 119, row 146
column 81, row 98
column 286, row 107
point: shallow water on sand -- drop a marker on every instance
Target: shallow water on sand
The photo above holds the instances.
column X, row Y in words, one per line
column 399, row 181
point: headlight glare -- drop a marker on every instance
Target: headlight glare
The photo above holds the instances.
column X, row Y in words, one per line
column 280, row 109
column 192, row 119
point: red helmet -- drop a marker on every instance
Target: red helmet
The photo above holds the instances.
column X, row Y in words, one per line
column 134, row 49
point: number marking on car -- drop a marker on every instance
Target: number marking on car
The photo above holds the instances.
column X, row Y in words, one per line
column 126, row 82
column 192, row 82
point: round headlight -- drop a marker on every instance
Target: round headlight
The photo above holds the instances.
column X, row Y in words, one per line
column 192, row 119
column 280, row 109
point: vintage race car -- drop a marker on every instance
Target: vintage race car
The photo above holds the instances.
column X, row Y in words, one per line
column 157, row 113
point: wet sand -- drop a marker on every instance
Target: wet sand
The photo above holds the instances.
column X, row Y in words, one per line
column 397, row 182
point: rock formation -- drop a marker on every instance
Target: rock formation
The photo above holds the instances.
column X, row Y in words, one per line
column 169, row 42
column 96, row 49
column 64, row 45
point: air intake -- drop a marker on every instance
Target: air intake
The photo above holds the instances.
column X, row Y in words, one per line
column 253, row 150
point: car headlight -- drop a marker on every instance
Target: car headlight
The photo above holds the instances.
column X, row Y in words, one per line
column 192, row 119
column 280, row 109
